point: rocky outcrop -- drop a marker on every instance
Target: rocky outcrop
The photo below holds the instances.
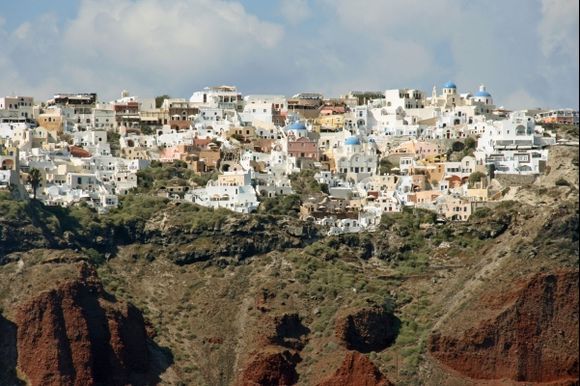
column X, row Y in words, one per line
column 184, row 236
column 237, row 238
column 532, row 338
column 75, row 334
column 279, row 345
column 271, row 369
column 287, row 331
column 368, row 329
column 8, row 353
column 356, row 370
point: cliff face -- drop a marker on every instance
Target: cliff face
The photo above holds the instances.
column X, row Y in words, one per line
column 534, row 338
column 356, row 370
column 271, row 369
column 279, row 345
column 76, row 335
column 368, row 329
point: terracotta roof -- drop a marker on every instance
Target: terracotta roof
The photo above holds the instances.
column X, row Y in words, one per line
column 79, row 152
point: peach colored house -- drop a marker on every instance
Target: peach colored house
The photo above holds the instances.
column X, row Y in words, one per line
column 419, row 149
column 211, row 158
column 433, row 172
column 424, row 196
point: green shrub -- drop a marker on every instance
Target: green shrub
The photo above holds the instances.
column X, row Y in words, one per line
column 475, row 177
column 285, row 205
column 94, row 256
column 304, row 183
column 481, row 213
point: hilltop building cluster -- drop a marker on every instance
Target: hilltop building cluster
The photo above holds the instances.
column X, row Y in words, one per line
column 373, row 152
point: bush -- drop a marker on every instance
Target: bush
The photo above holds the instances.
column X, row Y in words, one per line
column 11, row 209
column 286, row 205
column 481, row 213
column 470, row 143
column 304, row 183
column 457, row 146
column 410, row 218
column 176, row 173
column 385, row 166
column 475, row 177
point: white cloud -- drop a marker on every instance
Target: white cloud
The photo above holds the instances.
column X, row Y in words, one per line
column 160, row 46
column 145, row 46
column 171, row 41
column 521, row 99
column 558, row 27
column 295, row 11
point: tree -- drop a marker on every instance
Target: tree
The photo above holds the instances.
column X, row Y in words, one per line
column 457, row 146
column 159, row 100
column 147, row 130
column 470, row 143
column 385, row 166
column 475, row 177
column 286, row 205
column 34, row 180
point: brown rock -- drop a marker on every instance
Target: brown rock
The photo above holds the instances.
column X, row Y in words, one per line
column 356, row 370
column 368, row 329
column 271, row 369
column 77, row 335
column 263, row 298
column 287, row 331
column 532, row 338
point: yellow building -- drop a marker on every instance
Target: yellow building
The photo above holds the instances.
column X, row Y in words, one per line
column 231, row 179
column 332, row 122
column 51, row 122
column 9, row 159
column 477, row 194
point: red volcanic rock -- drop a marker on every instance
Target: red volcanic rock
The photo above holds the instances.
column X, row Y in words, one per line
column 271, row 369
column 356, row 370
column 368, row 329
column 532, row 338
column 75, row 335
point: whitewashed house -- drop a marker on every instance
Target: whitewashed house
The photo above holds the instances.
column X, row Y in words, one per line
column 232, row 190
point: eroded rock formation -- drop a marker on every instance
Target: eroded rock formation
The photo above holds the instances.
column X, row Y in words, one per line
column 271, row 369
column 532, row 338
column 368, row 329
column 356, row 370
column 75, row 334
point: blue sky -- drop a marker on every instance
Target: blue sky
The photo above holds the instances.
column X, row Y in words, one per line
column 524, row 51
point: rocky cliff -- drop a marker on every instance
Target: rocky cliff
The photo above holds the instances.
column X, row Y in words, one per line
column 258, row 299
column 75, row 334
column 356, row 370
column 531, row 337
column 368, row 329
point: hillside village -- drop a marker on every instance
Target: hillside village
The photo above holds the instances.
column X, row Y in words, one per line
column 349, row 159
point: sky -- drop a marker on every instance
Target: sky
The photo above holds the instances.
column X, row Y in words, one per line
column 526, row 52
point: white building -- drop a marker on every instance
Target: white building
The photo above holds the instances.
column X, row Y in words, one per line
column 232, row 190
column 404, row 98
column 356, row 159
column 16, row 108
column 512, row 146
column 222, row 97
column 261, row 109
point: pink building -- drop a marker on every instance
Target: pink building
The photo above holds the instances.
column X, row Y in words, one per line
column 304, row 147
